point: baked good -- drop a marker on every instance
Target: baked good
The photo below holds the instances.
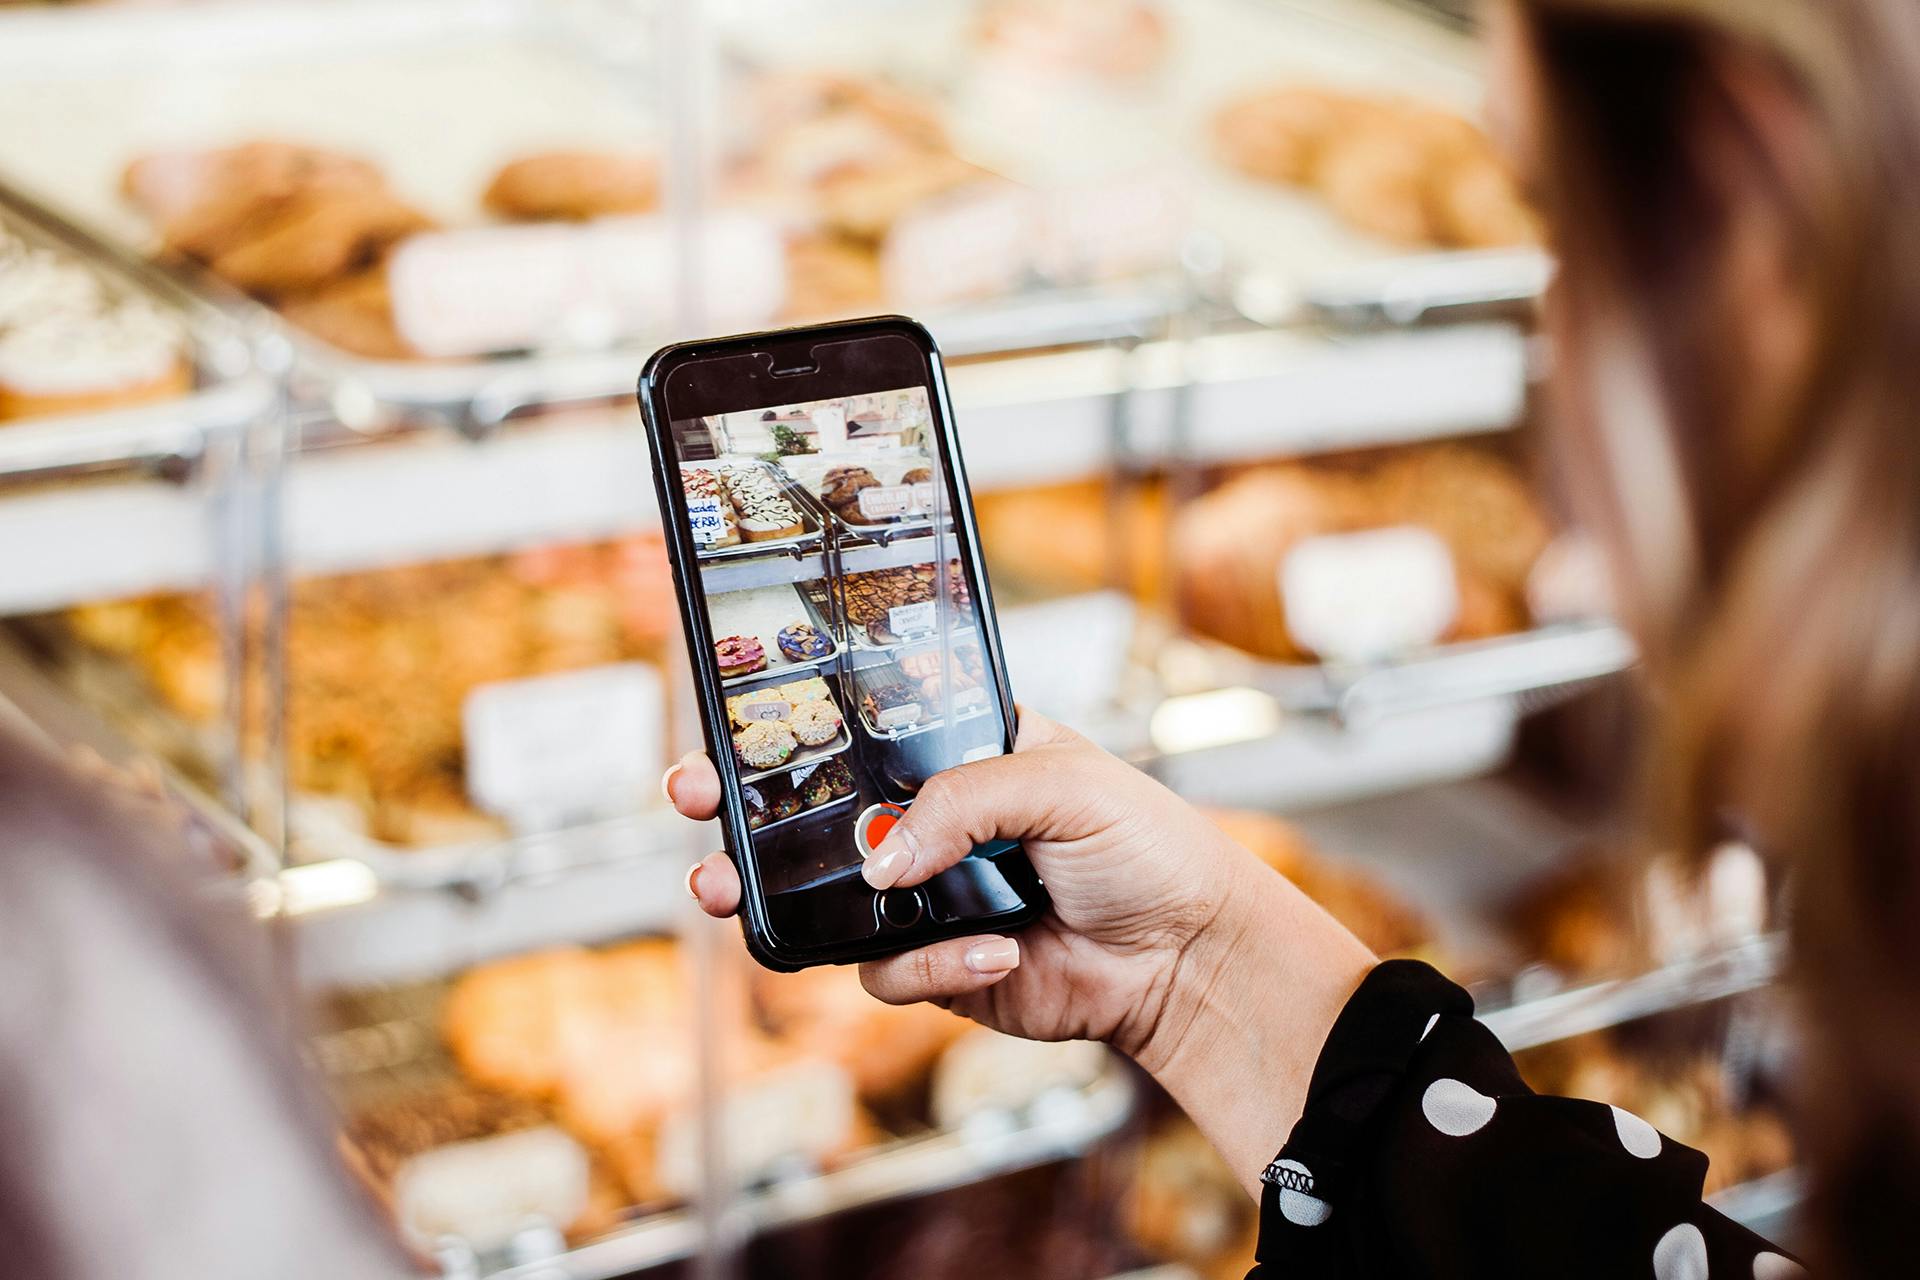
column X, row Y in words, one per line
column 304, row 227
column 917, row 475
column 814, row 723
column 765, row 744
column 803, row 642
column 805, row 689
column 739, row 656
column 354, row 313
column 574, row 185
column 840, row 490
column 380, row 663
column 1398, row 170
column 1229, row 545
column 70, row 345
column 762, row 508
column 838, row 778
column 884, row 694
column 310, row 239
column 815, row 791
column 757, row 814
column 784, row 804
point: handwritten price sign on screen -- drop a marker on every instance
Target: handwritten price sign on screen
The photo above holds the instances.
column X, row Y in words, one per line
column 709, row 526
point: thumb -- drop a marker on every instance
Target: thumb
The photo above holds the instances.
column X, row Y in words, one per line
column 1014, row 797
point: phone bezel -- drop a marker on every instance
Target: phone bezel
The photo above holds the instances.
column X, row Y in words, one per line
column 772, row 390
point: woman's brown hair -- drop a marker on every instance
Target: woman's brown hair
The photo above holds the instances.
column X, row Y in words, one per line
column 1762, row 498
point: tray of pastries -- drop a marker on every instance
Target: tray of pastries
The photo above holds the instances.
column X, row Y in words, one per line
column 585, row 1058
column 379, row 664
column 781, row 726
column 745, row 506
column 90, row 342
column 1232, row 547
column 879, row 603
column 767, row 630
column 865, row 492
column 911, row 692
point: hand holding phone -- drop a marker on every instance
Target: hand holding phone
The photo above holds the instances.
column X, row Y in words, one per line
column 839, row 622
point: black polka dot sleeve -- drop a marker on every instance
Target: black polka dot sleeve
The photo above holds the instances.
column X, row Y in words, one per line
column 1422, row 1153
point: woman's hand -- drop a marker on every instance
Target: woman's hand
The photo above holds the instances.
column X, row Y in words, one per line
column 1166, row 939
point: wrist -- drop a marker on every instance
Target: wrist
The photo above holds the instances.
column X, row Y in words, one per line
column 1248, row 1005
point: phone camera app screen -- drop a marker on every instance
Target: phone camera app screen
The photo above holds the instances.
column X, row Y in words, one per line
column 846, row 626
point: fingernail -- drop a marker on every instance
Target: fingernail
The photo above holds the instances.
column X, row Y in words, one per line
column 999, row 955
column 693, row 881
column 888, row 863
column 666, row 780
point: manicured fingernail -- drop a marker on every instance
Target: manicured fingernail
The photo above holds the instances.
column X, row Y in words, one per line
column 888, row 863
column 666, row 780
column 693, row 882
column 1000, row 955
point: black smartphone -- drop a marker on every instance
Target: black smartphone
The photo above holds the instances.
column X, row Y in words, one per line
column 839, row 621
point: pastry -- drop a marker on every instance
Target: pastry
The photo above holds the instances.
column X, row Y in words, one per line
column 739, row 700
column 70, row 345
column 804, row 690
column 838, row 778
column 1229, row 545
column 765, row 744
column 815, row 791
column 814, row 723
column 757, row 815
column 803, row 642
column 784, row 805
column 763, row 510
column 887, row 694
column 574, row 185
column 317, row 237
column 739, row 656
column 1398, row 170
column 917, row 475
column 354, row 313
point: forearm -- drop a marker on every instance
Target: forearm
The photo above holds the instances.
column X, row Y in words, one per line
column 1249, row 1005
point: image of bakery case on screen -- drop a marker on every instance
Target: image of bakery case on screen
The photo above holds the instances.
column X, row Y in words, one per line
column 847, row 639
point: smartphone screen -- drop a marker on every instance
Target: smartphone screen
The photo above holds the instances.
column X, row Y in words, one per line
column 846, row 628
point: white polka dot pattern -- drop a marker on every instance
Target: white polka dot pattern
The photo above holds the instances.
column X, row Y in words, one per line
column 1636, row 1135
column 1681, row 1254
column 1297, row 1207
column 1456, row 1109
column 1771, row 1266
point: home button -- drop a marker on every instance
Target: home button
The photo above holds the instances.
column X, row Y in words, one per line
column 902, row 908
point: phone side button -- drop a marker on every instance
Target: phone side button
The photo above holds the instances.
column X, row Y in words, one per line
column 902, row 908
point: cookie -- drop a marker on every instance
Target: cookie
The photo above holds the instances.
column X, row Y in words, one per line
column 766, row 744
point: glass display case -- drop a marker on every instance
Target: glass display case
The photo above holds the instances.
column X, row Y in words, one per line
column 1237, row 310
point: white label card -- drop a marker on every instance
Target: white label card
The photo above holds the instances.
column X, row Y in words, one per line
column 544, row 748
column 764, row 709
column 910, row 619
column 885, row 502
column 900, row 717
column 799, row 776
column 1358, row 597
column 705, row 518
